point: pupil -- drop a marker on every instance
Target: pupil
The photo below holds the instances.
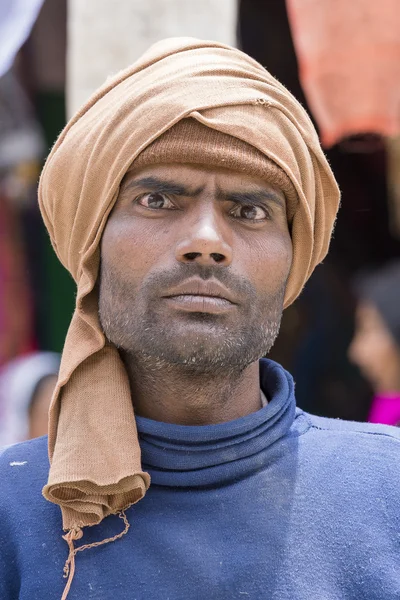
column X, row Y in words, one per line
column 156, row 201
column 249, row 212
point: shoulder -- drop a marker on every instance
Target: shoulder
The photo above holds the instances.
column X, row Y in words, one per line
column 33, row 450
column 350, row 472
column 30, row 525
column 23, row 473
column 352, row 430
column 369, row 450
column 23, row 468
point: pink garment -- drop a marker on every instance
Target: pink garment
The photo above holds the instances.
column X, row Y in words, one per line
column 349, row 63
column 386, row 410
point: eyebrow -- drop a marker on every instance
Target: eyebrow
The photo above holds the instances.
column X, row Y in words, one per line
column 246, row 198
column 170, row 187
column 159, row 185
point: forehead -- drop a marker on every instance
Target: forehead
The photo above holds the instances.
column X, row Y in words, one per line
column 201, row 177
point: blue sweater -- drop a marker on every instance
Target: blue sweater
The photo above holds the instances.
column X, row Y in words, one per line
column 276, row 505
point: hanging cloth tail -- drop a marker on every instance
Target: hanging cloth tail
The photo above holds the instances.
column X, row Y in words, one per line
column 76, row 534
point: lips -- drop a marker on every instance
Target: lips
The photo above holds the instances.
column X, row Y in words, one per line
column 197, row 295
column 200, row 287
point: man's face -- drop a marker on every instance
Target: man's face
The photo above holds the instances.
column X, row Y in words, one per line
column 374, row 350
column 194, row 264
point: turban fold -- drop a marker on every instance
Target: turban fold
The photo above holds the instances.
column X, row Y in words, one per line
column 93, row 445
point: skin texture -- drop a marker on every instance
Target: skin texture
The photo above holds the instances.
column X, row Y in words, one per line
column 175, row 232
column 374, row 350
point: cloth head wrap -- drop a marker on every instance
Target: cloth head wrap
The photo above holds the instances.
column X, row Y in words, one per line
column 93, row 445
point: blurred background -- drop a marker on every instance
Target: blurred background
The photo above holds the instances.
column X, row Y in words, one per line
column 341, row 339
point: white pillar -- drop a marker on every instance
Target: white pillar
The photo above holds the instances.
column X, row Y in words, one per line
column 104, row 36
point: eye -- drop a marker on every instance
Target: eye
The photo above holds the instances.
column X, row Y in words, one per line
column 155, row 200
column 250, row 213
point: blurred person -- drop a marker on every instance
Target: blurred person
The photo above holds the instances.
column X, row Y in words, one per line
column 375, row 348
column 190, row 200
column 21, row 152
column 26, row 387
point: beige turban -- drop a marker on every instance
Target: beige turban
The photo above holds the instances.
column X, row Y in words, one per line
column 93, row 444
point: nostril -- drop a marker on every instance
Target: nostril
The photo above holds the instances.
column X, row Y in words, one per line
column 192, row 255
column 217, row 257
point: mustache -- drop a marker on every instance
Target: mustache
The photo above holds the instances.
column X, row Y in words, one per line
column 159, row 281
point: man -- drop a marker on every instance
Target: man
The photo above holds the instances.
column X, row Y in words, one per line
column 190, row 200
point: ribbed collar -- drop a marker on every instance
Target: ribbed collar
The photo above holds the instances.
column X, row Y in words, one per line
column 191, row 456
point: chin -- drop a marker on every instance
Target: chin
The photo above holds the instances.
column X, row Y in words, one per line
column 199, row 345
column 215, row 354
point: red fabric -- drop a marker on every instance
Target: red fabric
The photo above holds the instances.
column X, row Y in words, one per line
column 349, row 64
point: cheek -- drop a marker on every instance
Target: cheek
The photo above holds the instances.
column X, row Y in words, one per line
column 371, row 350
column 384, row 351
column 131, row 248
column 361, row 349
column 267, row 261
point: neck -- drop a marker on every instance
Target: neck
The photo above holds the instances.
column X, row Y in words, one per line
column 174, row 394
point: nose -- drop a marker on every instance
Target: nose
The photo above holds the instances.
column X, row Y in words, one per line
column 355, row 351
column 205, row 242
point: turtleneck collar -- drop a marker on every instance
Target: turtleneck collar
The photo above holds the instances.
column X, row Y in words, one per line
column 196, row 456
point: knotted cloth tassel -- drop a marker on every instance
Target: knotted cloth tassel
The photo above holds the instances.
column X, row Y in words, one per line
column 76, row 534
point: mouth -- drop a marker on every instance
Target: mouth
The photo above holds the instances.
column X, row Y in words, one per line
column 200, row 304
column 197, row 295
